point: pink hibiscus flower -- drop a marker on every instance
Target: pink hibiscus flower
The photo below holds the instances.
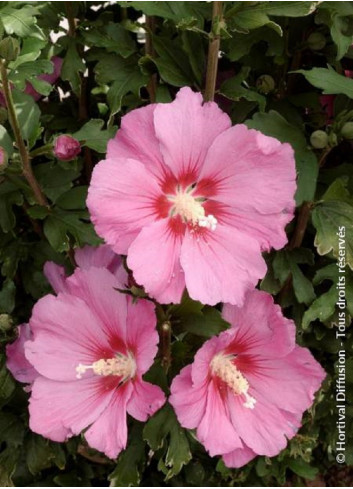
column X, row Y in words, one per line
column 247, row 389
column 89, row 348
column 193, row 201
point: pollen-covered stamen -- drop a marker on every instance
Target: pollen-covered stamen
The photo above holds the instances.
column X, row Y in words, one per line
column 223, row 367
column 191, row 210
column 120, row 366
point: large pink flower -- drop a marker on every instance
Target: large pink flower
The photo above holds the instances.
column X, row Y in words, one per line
column 89, row 348
column 247, row 389
column 193, row 201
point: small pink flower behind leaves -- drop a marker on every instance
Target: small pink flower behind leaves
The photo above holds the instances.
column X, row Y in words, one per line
column 192, row 201
column 3, row 158
column 247, row 389
column 66, row 147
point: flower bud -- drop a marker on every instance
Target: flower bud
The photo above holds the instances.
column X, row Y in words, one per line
column 3, row 159
column 347, row 130
column 9, row 48
column 316, row 41
column 265, row 84
column 319, row 139
column 66, row 147
column 5, row 322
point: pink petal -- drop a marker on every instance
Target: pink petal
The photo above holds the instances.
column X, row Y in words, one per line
column 186, row 129
column 239, row 457
column 101, row 256
column 109, row 433
column 97, row 287
column 59, row 410
column 66, row 332
column 189, row 402
column 261, row 328
column 154, row 259
column 289, row 383
column 145, row 400
column 56, row 276
column 215, row 430
column 221, row 265
column 265, row 429
column 136, row 139
column 254, row 175
column 141, row 331
column 17, row 363
column 122, row 199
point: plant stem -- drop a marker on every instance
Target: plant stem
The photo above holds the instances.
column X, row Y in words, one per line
column 213, row 51
column 25, row 159
column 165, row 345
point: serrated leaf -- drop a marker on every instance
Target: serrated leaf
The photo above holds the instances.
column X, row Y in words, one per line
column 6, row 141
column 21, row 21
column 72, row 66
column 113, row 37
column 329, row 81
column 30, row 71
column 322, row 308
column 273, row 124
column 93, row 136
column 7, row 384
column 7, row 297
column 8, row 462
column 61, row 226
column 73, row 199
column 9, row 197
column 54, row 179
column 234, row 90
column 163, row 428
column 28, row 115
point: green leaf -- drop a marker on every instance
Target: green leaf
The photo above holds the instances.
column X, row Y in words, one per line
column 338, row 17
column 329, row 81
column 7, row 384
column 73, row 199
column 8, row 462
column 322, row 308
column 7, row 297
column 179, row 12
column 131, row 461
column 208, row 323
column 93, row 136
column 6, row 141
column 332, row 218
column 54, row 179
column 233, row 89
column 125, row 76
column 72, row 66
column 30, row 71
column 163, row 429
column 113, row 37
column 22, row 21
column 241, row 44
column 12, row 429
column 9, row 197
column 28, row 115
column 172, row 64
column 42, row 454
column 303, row 469
column 273, row 124
column 61, row 226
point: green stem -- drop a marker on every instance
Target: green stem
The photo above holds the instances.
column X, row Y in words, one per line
column 213, row 52
column 165, row 345
column 43, row 150
column 25, row 159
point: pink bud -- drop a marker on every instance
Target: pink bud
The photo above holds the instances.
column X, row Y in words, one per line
column 3, row 158
column 66, row 147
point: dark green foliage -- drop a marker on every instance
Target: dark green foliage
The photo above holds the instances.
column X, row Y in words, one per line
column 270, row 77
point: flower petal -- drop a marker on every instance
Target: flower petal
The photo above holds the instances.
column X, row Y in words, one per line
column 154, row 258
column 56, row 276
column 17, row 363
column 59, row 410
column 141, row 331
column 122, row 199
column 253, row 176
column 66, row 332
column 221, row 265
column 145, row 400
column 109, row 433
column 186, row 129
column 215, row 430
column 189, row 402
column 239, row 457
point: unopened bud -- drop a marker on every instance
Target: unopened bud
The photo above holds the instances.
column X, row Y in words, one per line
column 5, row 322
column 9, row 48
column 316, row 41
column 347, row 130
column 66, row 147
column 319, row 139
column 265, row 84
